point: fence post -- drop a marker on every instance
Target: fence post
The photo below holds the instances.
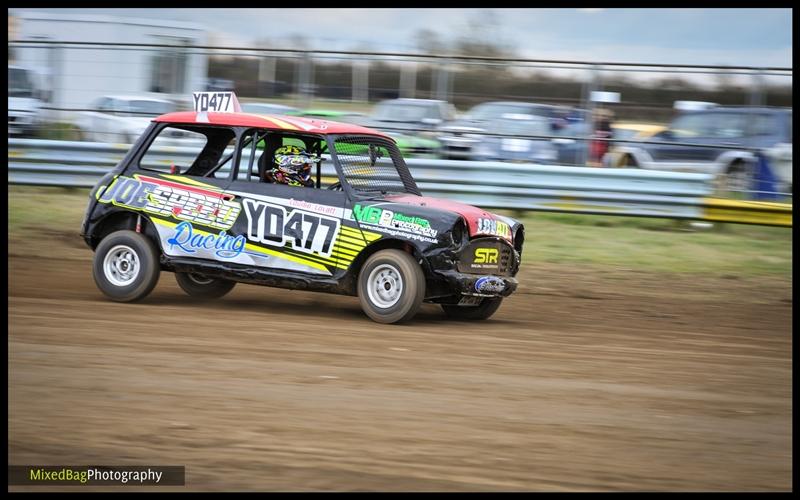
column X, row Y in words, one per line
column 756, row 94
column 442, row 84
column 591, row 85
column 408, row 79
column 360, row 82
column 266, row 76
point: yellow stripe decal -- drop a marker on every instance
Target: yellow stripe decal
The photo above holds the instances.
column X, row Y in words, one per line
column 352, row 241
column 346, row 250
column 281, row 123
column 349, row 246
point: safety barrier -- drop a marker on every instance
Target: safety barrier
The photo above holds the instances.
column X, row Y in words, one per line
column 630, row 192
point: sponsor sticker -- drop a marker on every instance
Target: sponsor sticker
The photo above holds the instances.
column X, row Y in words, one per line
column 494, row 227
column 486, row 255
column 393, row 220
column 193, row 204
column 489, row 284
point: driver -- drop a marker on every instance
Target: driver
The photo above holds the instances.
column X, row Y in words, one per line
column 291, row 166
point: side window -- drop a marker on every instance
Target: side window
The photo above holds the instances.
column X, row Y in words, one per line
column 103, row 104
column 198, row 151
column 258, row 156
column 729, row 126
column 693, row 125
column 763, row 124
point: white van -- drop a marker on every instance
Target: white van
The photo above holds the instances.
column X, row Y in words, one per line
column 24, row 102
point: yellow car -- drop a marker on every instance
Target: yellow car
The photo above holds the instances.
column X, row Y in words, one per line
column 624, row 131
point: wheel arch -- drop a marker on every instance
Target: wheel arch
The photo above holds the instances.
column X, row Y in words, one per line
column 124, row 219
column 377, row 246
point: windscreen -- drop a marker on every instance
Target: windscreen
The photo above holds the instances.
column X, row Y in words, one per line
column 19, row 84
column 373, row 164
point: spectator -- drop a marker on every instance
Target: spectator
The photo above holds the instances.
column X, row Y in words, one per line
column 602, row 130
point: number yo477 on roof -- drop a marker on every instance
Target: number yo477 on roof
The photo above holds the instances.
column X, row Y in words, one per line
column 292, row 203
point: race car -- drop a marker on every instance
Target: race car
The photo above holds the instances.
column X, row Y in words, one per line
column 357, row 224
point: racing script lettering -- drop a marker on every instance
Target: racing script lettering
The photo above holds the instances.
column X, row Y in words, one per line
column 303, row 231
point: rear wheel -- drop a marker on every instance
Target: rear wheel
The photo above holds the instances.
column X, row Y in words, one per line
column 126, row 266
column 203, row 287
column 391, row 286
column 736, row 181
column 484, row 310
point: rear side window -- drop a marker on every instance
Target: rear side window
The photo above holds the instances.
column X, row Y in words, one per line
column 198, row 151
column 764, row 124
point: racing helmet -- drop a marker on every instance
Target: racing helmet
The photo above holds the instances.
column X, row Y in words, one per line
column 292, row 166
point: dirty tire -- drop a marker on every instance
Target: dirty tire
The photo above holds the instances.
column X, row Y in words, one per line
column 484, row 310
column 391, row 286
column 126, row 266
column 202, row 287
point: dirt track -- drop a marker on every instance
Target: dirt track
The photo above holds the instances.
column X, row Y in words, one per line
column 584, row 380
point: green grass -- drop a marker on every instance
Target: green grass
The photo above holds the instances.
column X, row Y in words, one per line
column 660, row 245
column 657, row 245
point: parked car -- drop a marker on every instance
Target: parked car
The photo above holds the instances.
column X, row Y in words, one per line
column 516, row 149
column 628, row 131
column 411, row 116
column 24, row 102
column 460, row 136
column 336, row 115
column 738, row 129
column 120, row 118
column 220, row 85
column 412, row 146
column 214, row 218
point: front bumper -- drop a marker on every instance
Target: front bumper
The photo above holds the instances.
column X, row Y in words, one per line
column 478, row 285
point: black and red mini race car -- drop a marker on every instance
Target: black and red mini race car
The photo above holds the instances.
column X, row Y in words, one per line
column 193, row 196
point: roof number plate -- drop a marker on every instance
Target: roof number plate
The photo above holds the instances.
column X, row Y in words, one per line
column 218, row 102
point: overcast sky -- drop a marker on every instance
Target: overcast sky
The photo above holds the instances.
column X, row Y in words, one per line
column 746, row 37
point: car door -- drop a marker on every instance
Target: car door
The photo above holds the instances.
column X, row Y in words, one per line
column 290, row 229
column 181, row 191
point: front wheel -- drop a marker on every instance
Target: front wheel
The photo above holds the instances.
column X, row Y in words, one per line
column 126, row 266
column 484, row 310
column 202, row 287
column 391, row 286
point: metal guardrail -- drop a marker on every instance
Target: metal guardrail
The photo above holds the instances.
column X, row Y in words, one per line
column 486, row 184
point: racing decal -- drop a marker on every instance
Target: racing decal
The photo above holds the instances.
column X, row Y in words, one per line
column 494, row 227
column 190, row 241
column 184, row 240
column 166, row 198
column 395, row 223
column 300, row 230
column 489, row 284
column 486, row 256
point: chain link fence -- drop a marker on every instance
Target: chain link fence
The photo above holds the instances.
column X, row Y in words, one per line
column 109, row 91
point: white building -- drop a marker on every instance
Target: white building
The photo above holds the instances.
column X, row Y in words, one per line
column 74, row 76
